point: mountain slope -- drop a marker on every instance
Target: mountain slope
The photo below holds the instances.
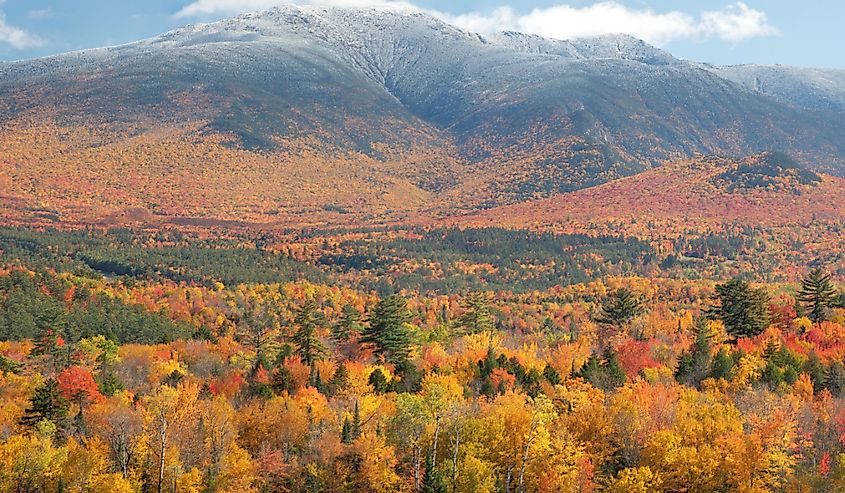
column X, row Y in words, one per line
column 815, row 89
column 313, row 115
column 697, row 195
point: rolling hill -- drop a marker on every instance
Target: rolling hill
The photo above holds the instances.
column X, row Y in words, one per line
column 307, row 115
column 698, row 195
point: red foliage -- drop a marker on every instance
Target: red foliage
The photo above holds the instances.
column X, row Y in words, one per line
column 635, row 356
column 77, row 383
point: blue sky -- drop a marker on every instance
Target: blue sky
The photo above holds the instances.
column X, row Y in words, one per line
column 807, row 33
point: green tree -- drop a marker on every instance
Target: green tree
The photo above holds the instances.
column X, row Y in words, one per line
column 388, row 331
column 46, row 404
column 743, row 309
column 818, row 294
column 348, row 325
column 619, row 308
column 477, row 316
column 694, row 365
column 308, row 345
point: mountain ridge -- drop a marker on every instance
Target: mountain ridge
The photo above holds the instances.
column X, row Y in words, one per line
column 337, row 109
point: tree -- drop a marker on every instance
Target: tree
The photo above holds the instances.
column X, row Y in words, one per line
column 818, row 293
column 694, row 365
column 308, row 345
column 618, row 309
column 477, row 316
column 77, row 385
column 388, row 331
column 348, row 325
column 432, row 481
column 46, row 404
column 743, row 309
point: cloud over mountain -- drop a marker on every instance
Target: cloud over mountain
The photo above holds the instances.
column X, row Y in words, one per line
column 733, row 23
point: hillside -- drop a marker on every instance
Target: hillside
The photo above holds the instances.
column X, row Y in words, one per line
column 308, row 116
column 689, row 196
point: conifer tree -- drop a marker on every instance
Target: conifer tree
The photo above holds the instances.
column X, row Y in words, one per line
column 308, row 345
column 743, row 309
column 46, row 404
column 619, row 308
column 818, row 294
column 388, row 331
column 477, row 317
column 348, row 325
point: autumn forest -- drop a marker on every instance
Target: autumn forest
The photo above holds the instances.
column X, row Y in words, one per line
column 412, row 360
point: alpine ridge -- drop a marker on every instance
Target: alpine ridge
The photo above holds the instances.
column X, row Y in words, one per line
column 309, row 115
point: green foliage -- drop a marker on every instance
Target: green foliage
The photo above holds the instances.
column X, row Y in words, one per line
column 46, row 404
column 388, row 331
column 743, row 309
column 308, row 345
column 605, row 372
column 477, row 316
column 818, row 293
column 694, row 365
column 348, row 325
column 619, row 308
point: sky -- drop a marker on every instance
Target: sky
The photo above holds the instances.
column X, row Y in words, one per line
column 808, row 33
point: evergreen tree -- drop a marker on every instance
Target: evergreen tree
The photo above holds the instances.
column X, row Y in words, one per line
column 605, row 373
column 818, row 294
column 743, row 309
column 109, row 384
column 432, row 481
column 618, row 309
column 815, row 369
column 477, row 317
column 346, row 432
column 379, row 382
column 340, row 379
column 348, row 325
column 835, row 378
column 46, row 404
column 722, row 365
column 355, row 426
column 694, row 365
column 282, row 381
column 388, row 331
column 308, row 345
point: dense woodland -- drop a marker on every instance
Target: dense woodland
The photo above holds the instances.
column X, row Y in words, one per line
column 166, row 361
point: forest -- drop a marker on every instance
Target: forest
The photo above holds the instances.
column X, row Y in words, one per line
column 435, row 360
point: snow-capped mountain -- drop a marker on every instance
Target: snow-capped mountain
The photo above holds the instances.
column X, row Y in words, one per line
column 478, row 120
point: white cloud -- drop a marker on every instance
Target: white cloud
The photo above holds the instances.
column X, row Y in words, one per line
column 733, row 23
column 208, row 7
column 40, row 14
column 16, row 37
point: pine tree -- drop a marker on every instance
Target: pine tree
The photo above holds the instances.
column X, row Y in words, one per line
column 340, row 379
column 355, row 427
column 348, row 325
column 345, row 432
column 618, row 309
column 379, row 382
column 743, row 309
column 388, row 331
column 477, row 317
column 432, row 481
column 818, row 293
column 722, row 365
column 694, row 365
column 308, row 345
column 46, row 404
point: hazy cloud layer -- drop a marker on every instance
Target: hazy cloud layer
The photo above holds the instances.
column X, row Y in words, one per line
column 733, row 23
column 16, row 37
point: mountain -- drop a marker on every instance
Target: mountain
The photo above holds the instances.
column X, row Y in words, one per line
column 308, row 115
column 699, row 195
column 815, row 89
